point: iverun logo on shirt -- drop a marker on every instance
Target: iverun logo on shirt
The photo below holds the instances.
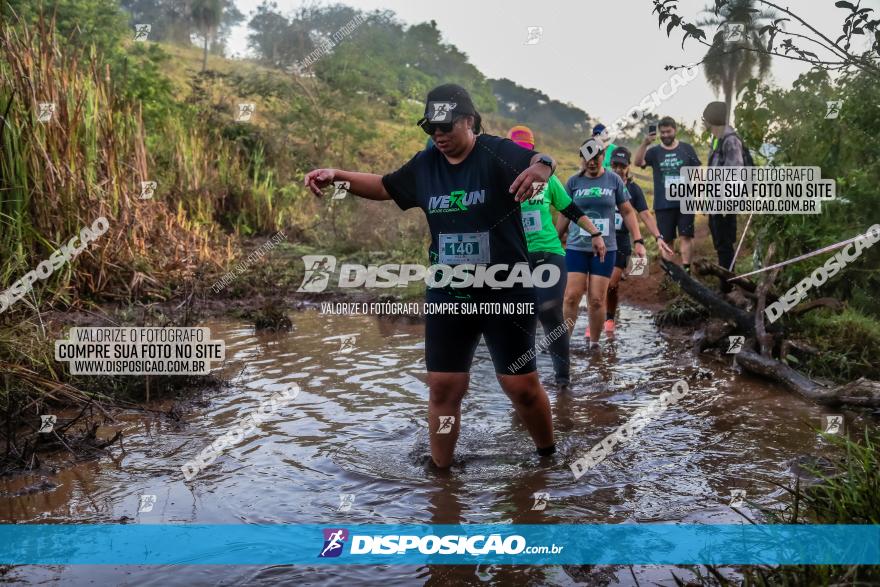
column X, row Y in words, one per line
column 671, row 162
column 594, row 192
column 457, row 201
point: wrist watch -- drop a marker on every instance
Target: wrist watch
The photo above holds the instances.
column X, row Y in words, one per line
column 598, row 234
column 546, row 161
column 639, row 241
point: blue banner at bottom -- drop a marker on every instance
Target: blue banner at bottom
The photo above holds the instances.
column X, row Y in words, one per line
column 311, row 544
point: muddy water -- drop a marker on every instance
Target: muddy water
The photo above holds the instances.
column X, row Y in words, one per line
column 358, row 427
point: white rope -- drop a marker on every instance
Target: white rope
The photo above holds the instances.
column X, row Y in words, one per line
column 804, row 256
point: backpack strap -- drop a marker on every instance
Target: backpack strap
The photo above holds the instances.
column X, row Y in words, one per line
column 746, row 156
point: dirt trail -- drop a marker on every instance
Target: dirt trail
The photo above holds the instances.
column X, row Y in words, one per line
column 648, row 292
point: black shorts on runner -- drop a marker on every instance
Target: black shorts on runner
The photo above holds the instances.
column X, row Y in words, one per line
column 622, row 258
column 670, row 219
column 451, row 339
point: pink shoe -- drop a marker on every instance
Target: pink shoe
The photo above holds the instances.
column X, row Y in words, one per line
column 609, row 326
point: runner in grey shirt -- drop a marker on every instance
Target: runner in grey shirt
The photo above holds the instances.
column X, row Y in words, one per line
column 599, row 193
column 598, row 197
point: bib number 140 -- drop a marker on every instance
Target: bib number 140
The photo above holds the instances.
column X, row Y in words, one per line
column 470, row 247
column 462, row 248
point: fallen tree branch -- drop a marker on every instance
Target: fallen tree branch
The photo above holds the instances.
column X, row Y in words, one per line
column 832, row 303
column 712, row 301
column 703, row 267
column 791, row 379
column 765, row 340
column 787, row 346
column 861, row 393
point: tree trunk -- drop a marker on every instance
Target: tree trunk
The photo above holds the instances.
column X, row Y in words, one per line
column 765, row 340
column 205, row 54
column 791, row 379
column 702, row 267
column 861, row 393
column 728, row 92
column 744, row 321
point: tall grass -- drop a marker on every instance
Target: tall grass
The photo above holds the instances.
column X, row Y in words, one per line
column 88, row 161
column 846, row 341
column 58, row 177
column 846, row 493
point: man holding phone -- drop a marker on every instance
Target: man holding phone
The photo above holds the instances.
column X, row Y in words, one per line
column 666, row 161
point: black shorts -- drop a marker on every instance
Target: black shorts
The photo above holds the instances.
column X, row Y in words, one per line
column 451, row 339
column 622, row 259
column 670, row 219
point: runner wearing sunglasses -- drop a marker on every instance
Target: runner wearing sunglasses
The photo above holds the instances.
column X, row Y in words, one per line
column 469, row 186
column 545, row 247
column 598, row 193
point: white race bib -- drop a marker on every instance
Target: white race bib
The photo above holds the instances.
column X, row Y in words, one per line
column 670, row 179
column 600, row 223
column 531, row 221
column 467, row 247
column 618, row 221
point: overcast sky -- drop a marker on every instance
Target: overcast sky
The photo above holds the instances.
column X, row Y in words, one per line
column 603, row 56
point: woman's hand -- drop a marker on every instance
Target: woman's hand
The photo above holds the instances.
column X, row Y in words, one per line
column 317, row 179
column 639, row 250
column 522, row 185
column 599, row 247
column 664, row 248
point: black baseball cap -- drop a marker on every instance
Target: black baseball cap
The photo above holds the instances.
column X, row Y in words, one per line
column 620, row 155
column 591, row 148
column 448, row 99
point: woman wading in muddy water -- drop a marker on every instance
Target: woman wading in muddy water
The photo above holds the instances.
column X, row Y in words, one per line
column 469, row 185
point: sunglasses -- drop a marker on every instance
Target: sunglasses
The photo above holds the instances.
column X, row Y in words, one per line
column 431, row 127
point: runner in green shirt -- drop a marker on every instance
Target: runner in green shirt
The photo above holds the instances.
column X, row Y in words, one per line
column 541, row 236
column 545, row 247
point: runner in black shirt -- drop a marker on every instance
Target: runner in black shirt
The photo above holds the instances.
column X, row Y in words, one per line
column 470, row 187
column 620, row 160
column 666, row 161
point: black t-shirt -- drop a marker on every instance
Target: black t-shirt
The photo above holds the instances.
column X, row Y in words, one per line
column 667, row 164
column 638, row 201
column 473, row 217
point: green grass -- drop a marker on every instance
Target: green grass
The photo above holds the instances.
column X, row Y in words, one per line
column 681, row 311
column 848, row 493
column 847, row 342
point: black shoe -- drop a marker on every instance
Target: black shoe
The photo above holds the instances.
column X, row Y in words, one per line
column 547, row 450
